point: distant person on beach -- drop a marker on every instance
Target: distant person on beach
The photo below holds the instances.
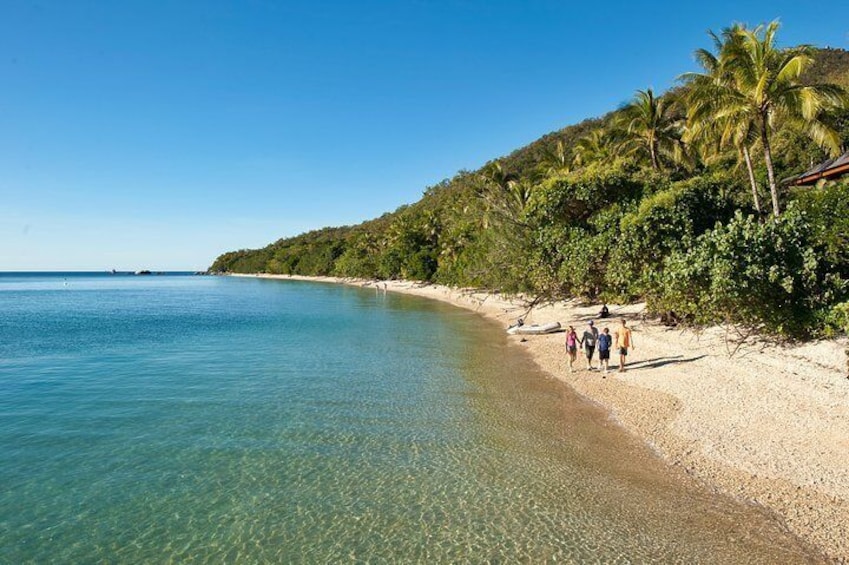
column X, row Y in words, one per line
column 624, row 341
column 572, row 346
column 604, row 342
column 588, row 340
column 604, row 312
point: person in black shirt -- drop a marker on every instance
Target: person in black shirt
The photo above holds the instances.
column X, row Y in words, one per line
column 589, row 340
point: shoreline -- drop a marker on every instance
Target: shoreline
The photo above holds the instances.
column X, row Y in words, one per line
column 768, row 426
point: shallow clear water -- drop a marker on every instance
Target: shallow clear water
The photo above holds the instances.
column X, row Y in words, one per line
column 208, row 419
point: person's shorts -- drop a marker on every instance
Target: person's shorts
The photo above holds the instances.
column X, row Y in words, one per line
column 623, row 351
column 572, row 348
column 603, row 355
column 589, row 350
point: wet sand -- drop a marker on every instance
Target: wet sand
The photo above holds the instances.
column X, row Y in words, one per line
column 768, row 425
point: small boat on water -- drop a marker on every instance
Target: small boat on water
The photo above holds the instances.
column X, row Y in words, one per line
column 534, row 329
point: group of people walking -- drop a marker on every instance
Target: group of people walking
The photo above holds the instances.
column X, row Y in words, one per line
column 621, row 341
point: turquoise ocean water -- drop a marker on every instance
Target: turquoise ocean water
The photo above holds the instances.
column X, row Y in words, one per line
column 230, row 420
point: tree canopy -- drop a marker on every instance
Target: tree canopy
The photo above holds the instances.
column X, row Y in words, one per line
column 659, row 200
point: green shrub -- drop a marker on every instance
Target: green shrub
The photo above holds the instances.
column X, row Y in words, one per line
column 827, row 211
column 572, row 198
column 756, row 274
column 837, row 320
column 670, row 220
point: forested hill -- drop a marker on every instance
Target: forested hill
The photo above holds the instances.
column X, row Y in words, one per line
column 675, row 199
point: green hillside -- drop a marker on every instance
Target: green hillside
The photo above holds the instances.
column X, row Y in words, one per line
column 652, row 201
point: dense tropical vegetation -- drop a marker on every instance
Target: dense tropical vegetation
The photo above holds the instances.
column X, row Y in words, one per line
column 660, row 200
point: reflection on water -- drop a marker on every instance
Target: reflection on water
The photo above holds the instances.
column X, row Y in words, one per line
column 223, row 420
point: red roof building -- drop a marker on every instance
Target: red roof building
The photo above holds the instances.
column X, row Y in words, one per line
column 829, row 170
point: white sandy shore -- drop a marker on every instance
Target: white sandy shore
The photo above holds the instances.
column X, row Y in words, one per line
column 769, row 425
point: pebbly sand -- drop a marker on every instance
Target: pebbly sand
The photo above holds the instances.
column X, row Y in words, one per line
column 768, row 425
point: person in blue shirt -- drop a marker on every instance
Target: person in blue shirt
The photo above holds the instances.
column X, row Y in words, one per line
column 604, row 343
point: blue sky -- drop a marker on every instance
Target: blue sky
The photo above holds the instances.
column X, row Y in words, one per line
column 158, row 134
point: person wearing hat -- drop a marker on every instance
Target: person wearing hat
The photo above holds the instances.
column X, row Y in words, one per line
column 589, row 340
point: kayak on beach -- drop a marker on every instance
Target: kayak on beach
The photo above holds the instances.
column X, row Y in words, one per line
column 534, row 329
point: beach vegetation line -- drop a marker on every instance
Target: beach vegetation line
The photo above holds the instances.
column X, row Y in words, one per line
column 686, row 199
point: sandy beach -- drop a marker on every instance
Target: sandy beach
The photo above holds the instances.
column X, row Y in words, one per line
column 767, row 425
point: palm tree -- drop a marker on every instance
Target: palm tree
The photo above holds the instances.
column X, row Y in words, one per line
column 593, row 147
column 504, row 193
column 743, row 136
column 707, row 120
column 764, row 89
column 556, row 159
column 651, row 126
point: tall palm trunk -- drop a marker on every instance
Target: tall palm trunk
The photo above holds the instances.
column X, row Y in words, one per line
column 773, row 188
column 655, row 162
column 752, row 180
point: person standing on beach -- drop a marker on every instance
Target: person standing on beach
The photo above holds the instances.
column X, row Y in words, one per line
column 572, row 346
column 589, row 340
column 604, row 341
column 624, row 341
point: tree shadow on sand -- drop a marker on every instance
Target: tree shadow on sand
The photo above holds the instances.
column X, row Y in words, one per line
column 662, row 361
